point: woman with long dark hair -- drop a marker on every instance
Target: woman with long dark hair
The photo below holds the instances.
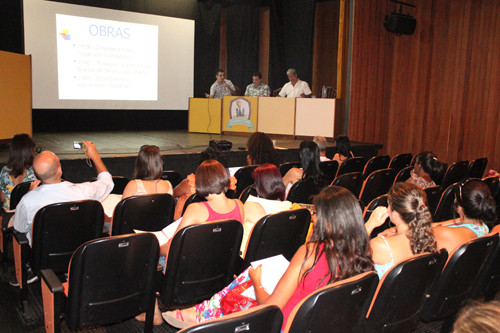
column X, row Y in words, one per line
column 343, row 145
column 19, row 167
column 426, row 171
column 338, row 249
column 309, row 159
column 413, row 232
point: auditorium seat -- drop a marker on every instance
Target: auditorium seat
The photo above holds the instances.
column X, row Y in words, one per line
column 456, row 172
column 433, row 196
column 213, row 246
column 262, row 318
column 353, row 164
column 377, row 183
column 380, row 201
column 172, row 176
column 285, row 167
column 351, row 181
column 455, row 283
column 100, row 289
column 57, row 231
column 401, row 294
column 477, row 167
column 280, row 233
column 376, row 163
column 445, row 209
column 403, row 175
column 338, row 307
column 329, row 169
column 151, row 212
column 400, row 161
column 244, row 178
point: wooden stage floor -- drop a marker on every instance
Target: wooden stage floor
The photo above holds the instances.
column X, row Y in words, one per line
column 179, row 149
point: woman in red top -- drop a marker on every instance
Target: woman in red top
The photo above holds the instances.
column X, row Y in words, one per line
column 338, row 249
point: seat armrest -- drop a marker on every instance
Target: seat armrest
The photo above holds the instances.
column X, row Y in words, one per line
column 21, row 238
column 51, row 280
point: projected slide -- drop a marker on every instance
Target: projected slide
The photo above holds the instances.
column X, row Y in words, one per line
column 106, row 60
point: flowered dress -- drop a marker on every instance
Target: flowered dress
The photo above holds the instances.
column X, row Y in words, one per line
column 7, row 185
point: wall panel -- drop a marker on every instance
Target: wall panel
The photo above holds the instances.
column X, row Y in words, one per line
column 434, row 90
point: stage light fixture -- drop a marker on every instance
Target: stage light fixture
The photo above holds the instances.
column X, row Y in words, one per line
column 399, row 23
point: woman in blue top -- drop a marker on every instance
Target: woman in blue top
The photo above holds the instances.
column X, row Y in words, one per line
column 413, row 231
column 19, row 167
column 476, row 209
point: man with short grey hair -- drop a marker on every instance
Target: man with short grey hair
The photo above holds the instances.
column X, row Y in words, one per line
column 296, row 87
column 321, row 142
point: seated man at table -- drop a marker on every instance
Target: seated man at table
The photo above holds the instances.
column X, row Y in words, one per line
column 257, row 88
column 221, row 87
column 53, row 189
column 296, row 87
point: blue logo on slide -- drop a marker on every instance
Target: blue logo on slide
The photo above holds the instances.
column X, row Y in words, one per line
column 65, row 34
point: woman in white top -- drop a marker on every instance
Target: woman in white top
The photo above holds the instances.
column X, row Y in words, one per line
column 147, row 174
column 269, row 200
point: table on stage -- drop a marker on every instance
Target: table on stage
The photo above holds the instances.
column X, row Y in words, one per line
column 272, row 115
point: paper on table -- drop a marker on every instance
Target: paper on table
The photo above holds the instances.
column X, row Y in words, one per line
column 273, row 269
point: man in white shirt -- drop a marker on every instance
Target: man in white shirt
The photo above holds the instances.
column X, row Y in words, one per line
column 221, row 87
column 321, row 142
column 296, row 87
column 53, row 189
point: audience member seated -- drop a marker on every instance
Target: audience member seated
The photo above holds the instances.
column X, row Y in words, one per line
column 426, row 171
column 19, row 167
column 321, row 142
column 309, row 158
column 270, row 199
column 328, row 256
column 147, row 174
column 344, row 152
column 187, row 187
column 212, row 182
column 261, row 150
column 478, row 317
column 476, row 210
column 48, row 169
column 413, row 232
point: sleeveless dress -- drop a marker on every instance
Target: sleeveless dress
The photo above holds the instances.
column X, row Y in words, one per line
column 233, row 214
column 142, row 190
column 479, row 230
column 382, row 269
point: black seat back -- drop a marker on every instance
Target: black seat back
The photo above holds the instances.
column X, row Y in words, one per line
column 329, row 169
column 445, row 209
column 376, row 163
column 244, row 178
column 119, row 184
column 403, row 174
column 477, row 167
column 172, row 176
column 454, row 285
column 402, row 292
column 260, row 319
column 433, row 196
column 351, row 181
column 111, row 279
column 280, row 233
column 455, row 173
column 305, row 189
column 201, row 261
column 377, row 202
column 151, row 212
column 59, row 229
column 488, row 283
column 250, row 190
column 192, row 199
column 285, row 167
column 400, row 161
column 17, row 193
column 353, row 164
column 337, row 307
column 378, row 182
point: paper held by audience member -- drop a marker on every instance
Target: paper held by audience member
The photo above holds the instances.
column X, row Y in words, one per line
column 165, row 234
column 273, row 269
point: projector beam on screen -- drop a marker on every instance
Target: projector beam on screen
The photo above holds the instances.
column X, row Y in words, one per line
column 94, row 58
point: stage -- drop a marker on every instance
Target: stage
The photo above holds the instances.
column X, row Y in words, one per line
column 180, row 150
